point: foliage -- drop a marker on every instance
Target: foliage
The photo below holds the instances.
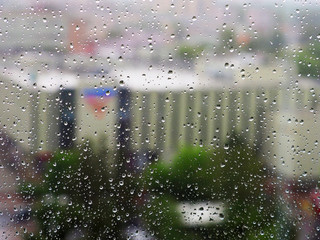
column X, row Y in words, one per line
column 273, row 43
column 227, row 41
column 190, row 52
column 162, row 215
column 232, row 174
column 308, row 61
column 278, row 229
column 75, row 197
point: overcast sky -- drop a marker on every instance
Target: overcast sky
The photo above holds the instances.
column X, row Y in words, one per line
column 93, row 3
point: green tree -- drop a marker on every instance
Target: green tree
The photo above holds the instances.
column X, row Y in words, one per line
column 75, row 196
column 190, row 53
column 272, row 43
column 233, row 174
column 308, row 61
column 227, row 41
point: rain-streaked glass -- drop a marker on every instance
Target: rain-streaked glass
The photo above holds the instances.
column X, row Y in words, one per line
column 159, row 119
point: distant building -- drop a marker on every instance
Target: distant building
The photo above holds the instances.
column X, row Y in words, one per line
column 43, row 30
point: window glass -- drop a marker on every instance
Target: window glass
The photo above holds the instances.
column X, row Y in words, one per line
column 160, row 119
